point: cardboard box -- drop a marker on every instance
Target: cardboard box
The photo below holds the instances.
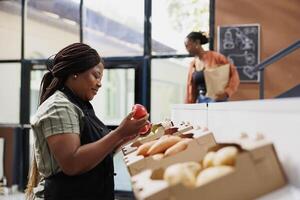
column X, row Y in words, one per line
column 257, row 171
column 200, row 144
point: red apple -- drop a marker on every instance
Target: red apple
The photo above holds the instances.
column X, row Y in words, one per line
column 146, row 129
column 139, row 111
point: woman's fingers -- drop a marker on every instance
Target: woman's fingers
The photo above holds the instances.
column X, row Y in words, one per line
column 130, row 115
column 142, row 121
column 131, row 127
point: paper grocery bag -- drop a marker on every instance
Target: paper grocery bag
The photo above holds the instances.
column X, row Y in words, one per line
column 216, row 80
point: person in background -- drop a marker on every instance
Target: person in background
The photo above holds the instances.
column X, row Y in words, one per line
column 73, row 149
column 196, row 88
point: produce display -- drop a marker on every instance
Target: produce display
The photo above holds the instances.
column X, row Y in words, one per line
column 213, row 166
column 165, row 147
column 241, row 168
column 186, row 162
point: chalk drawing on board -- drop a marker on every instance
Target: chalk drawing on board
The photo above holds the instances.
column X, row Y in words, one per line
column 248, row 71
column 248, row 58
column 240, row 44
column 241, row 41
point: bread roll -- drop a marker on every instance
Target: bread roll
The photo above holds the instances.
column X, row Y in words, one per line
column 212, row 173
column 179, row 146
column 142, row 150
column 162, row 144
column 225, row 156
column 208, row 159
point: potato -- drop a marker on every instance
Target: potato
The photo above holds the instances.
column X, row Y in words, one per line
column 187, row 178
column 142, row 150
column 225, row 156
column 162, row 144
column 173, row 174
column 208, row 159
column 182, row 173
column 179, row 146
column 212, row 173
column 192, row 166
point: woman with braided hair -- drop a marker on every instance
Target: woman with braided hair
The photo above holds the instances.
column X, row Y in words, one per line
column 72, row 147
column 205, row 60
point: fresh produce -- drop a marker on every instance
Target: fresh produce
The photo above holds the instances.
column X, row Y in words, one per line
column 214, row 165
column 163, row 144
column 146, row 128
column 142, row 150
column 212, row 173
column 179, row 146
column 208, row 159
column 184, row 173
column 225, row 156
column 139, row 111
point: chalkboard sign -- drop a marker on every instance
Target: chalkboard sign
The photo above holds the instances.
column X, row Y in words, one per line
column 240, row 44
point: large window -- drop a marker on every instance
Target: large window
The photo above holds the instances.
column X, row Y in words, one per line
column 168, row 86
column 36, row 78
column 114, row 27
column 10, row 29
column 116, row 96
column 50, row 26
column 172, row 20
column 10, row 92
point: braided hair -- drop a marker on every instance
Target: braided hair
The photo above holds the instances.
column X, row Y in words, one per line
column 75, row 58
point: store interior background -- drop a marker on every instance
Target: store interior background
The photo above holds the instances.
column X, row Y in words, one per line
column 146, row 62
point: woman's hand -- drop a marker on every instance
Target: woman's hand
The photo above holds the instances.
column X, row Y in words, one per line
column 221, row 96
column 130, row 127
